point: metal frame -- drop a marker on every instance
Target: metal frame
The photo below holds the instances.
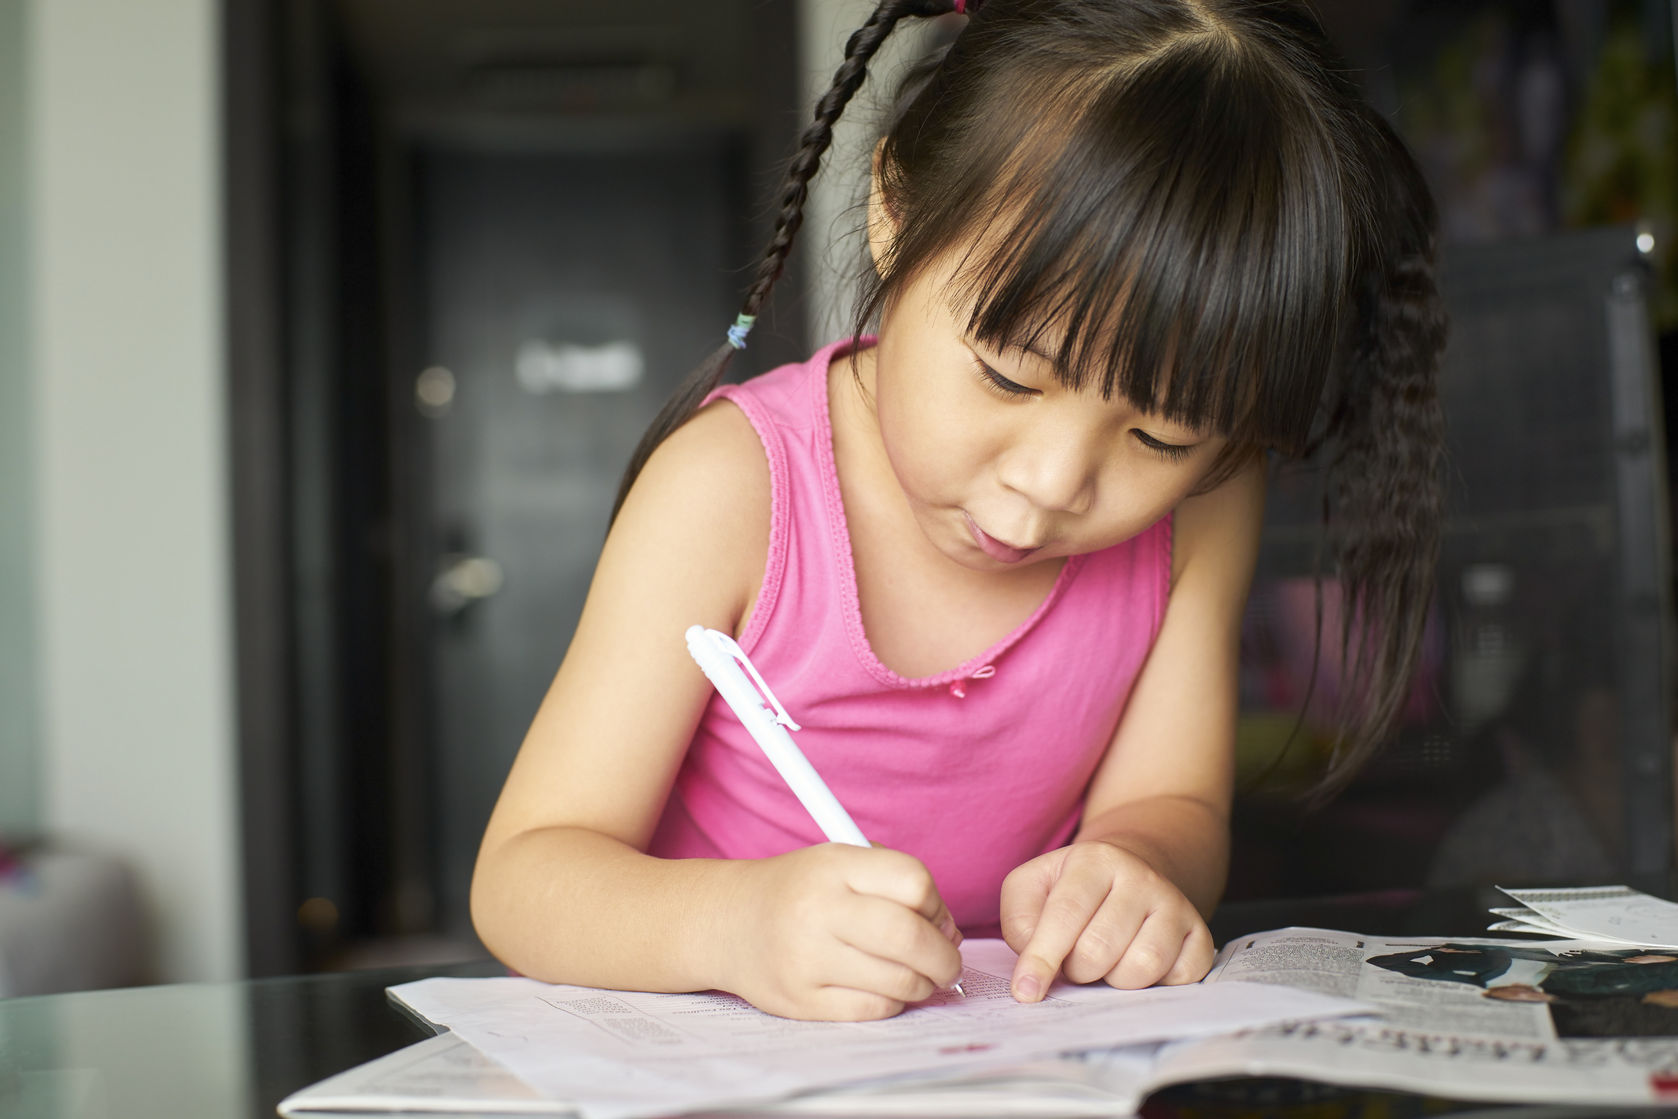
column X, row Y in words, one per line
column 1645, row 606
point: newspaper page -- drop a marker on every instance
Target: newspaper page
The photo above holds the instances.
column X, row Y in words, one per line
column 1553, row 1021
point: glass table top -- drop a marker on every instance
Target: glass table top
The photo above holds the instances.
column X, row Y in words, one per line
column 232, row 1050
column 198, row 1050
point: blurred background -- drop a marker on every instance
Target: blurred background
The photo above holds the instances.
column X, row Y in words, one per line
column 327, row 325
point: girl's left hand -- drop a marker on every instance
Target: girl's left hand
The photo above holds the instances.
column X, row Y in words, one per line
column 1094, row 910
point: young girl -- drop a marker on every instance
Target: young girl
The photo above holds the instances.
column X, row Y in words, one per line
column 994, row 558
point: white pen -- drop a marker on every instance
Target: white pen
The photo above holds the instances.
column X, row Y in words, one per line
column 737, row 680
column 728, row 667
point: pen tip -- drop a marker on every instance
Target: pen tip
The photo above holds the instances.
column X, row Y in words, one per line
column 958, row 990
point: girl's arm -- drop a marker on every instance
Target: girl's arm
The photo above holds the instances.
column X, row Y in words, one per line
column 1126, row 900
column 562, row 890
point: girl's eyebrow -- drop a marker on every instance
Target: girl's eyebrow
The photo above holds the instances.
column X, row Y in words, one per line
column 1031, row 346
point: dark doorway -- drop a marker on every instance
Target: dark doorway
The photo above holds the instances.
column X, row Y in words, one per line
column 471, row 246
column 563, row 297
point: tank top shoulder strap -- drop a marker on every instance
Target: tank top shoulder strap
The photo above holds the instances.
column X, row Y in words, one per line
column 781, row 406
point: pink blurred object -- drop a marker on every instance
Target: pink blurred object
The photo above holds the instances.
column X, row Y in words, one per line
column 1289, row 611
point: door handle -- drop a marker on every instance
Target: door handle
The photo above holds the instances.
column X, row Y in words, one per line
column 462, row 580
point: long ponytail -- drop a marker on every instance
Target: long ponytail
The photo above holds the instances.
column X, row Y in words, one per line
column 795, row 188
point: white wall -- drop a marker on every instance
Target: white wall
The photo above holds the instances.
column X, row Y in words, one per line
column 130, row 461
column 19, row 749
column 830, row 245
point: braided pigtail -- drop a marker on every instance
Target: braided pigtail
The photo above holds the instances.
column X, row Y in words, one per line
column 1383, row 499
column 795, row 188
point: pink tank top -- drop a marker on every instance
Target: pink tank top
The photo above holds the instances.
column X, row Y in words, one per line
column 973, row 771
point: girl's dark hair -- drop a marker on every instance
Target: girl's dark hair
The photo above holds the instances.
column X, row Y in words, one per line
column 1190, row 205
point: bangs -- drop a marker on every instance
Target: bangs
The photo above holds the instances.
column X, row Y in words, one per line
column 1175, row 245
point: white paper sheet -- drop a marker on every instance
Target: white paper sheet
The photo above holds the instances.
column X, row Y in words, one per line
column 1617, row 914
column 1523, row 920
column 441, row 1074
column 620, row 1055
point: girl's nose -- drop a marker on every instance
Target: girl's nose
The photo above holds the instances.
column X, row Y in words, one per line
column 1054, row 474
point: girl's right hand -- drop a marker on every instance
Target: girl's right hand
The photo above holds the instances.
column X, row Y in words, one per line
column 840, row 933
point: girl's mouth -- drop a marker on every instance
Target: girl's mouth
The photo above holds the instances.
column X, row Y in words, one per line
column 994, row 548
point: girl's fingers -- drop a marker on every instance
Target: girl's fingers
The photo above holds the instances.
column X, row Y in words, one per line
column 845, row 1004
column 1110, row 933
column 894, row 936
column 944, row 921
column 1085, row 918
column 839, row 1004
column 894, row 980
column 905, row 880
column 1163, row 947
column 1195, row 959
column 1065, row 910
column 898, row 877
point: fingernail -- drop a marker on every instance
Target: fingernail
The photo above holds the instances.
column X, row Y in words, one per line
column 1027, row 988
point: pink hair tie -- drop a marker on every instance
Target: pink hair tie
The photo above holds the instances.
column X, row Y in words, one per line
column 961, row 7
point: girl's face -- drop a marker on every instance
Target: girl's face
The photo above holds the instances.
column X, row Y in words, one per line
column 1001, row 464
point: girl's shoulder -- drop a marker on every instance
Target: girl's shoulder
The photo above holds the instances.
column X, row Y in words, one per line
column 700, row 509
column 717, row 449
column 1220, row 528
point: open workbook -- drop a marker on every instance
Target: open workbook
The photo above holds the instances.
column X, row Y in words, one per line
column 1557, row 1021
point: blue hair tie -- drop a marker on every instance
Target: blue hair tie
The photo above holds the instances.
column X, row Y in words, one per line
column 742, row 327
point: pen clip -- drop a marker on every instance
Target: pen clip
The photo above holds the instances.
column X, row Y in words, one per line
column 731, row 648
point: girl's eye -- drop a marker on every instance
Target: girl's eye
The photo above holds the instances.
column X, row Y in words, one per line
column 1172, row 451
column 1001, row 385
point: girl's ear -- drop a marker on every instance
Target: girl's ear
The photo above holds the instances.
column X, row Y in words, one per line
column 882, row 221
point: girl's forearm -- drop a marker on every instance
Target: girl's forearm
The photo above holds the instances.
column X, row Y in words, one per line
column 570, row 905
column 1184, row 839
